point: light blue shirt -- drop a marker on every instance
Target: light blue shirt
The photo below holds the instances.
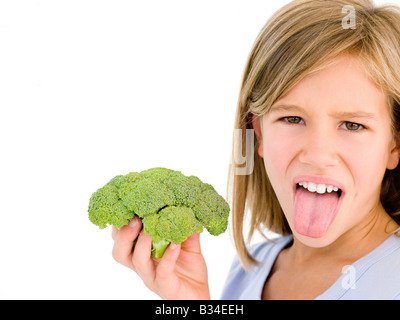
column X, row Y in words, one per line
column 376, row 276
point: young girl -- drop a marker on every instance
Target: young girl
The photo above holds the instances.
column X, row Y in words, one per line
column 321, row 90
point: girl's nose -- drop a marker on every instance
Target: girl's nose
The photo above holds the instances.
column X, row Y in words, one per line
column 319, row 149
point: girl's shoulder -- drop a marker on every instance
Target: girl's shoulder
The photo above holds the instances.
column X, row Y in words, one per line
column 265, row 252
column 248, row 284
column 270, row 248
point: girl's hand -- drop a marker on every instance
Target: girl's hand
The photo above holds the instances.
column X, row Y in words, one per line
column 180, row 274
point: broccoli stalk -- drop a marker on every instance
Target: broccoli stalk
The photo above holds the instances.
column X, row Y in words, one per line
column 172, row 206
column 159, row 245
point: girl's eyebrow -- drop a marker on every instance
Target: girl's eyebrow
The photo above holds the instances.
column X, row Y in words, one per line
column 355, row 114
column 285, row 107
column 337, row 114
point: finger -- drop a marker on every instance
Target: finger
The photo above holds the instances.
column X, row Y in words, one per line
column 141, row 259
column 166, row 266
column 114, row 232
column 124, row 241
column 192, row 244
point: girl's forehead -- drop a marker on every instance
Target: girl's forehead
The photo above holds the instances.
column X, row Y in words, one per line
column 343, row 84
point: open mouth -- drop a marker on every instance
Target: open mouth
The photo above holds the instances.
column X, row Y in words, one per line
column 315, row 207
column 321, row 188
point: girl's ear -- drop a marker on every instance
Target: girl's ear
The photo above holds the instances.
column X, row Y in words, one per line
column 257, row 130
column 394, row 155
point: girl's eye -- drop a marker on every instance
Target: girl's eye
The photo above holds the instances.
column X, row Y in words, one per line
column 347, row 125
column 351, row 126
column 292, row 120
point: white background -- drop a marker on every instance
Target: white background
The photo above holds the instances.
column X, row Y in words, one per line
column 92, row 89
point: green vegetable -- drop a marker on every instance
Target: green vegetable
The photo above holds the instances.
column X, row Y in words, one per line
column 172, row 206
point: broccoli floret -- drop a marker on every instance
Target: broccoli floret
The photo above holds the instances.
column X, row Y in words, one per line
column 105, row 207
column 171, row 224
column 172, row 206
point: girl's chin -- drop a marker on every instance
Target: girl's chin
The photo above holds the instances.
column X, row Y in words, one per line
column 316, row 242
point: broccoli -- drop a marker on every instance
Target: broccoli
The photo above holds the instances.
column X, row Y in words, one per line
column 172, row 206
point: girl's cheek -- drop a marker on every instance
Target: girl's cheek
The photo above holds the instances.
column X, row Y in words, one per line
column 280, row 146
column 366, row 163
column 279, row 150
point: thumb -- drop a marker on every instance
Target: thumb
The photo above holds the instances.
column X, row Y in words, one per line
column 192, row 244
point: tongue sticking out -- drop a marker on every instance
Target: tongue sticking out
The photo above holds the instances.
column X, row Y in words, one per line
column 314, row 212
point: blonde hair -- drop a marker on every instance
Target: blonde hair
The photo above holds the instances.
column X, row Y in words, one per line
column 303, row 37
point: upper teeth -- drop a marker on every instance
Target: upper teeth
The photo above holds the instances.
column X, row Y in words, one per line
column 319, row 188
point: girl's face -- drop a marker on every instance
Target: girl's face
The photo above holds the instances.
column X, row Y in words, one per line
column 331, row 132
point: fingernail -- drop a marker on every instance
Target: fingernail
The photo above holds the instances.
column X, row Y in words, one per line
column 133, row 223
column 173, row 246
